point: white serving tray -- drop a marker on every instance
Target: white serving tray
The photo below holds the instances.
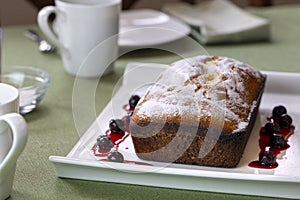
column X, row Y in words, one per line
column 283, row 181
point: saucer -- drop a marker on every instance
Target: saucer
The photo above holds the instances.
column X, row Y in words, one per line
column 147, row 27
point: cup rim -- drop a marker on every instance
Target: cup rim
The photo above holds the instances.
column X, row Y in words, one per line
column 83, row 4
column 13, row 96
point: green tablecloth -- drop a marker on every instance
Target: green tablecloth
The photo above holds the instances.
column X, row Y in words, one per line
column 51, row 126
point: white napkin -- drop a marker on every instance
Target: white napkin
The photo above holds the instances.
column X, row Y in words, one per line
column 220, row 21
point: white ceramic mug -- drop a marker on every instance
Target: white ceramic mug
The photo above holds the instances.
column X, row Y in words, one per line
column 13, row 137
column 79, row 27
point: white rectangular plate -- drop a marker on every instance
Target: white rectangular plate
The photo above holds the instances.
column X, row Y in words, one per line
column 283, row 181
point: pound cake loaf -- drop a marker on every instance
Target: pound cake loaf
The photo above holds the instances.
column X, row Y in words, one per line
column 200, row 111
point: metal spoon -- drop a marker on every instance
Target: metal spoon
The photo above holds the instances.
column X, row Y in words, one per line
column 44, row 46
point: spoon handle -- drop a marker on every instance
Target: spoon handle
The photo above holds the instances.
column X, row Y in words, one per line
column 32, row 35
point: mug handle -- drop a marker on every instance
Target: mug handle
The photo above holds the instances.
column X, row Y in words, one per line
column 19, row 134
column 43, row 22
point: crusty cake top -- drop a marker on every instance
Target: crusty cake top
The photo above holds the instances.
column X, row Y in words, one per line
column 205, row 90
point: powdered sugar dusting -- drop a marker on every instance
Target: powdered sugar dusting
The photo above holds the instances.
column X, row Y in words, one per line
column 195, row 85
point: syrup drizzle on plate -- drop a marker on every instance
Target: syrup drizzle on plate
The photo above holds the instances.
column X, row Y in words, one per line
column 268, row 148
column 117, row 137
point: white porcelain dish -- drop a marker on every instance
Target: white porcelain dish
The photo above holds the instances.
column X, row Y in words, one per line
column 147, row 27
column 283, row 181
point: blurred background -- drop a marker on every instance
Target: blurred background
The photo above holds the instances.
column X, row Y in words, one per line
column 17, row 12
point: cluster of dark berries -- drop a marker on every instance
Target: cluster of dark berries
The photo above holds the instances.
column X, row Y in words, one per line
column 279, row 121
column 280, row 116
column 117, row 130
column 105, row 144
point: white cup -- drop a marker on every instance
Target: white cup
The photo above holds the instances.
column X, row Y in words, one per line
column 13, row 137
column 79, row 27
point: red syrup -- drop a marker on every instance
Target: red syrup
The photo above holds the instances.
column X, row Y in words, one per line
column 257, row 164
column 116, row 138
column 264, row 143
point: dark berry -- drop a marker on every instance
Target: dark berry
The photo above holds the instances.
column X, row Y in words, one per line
column 134, row 99
column 277, row 141
column 117, row 126
column 285, row 121
column 271, row 128
column 267, row 158
column 278, row 111
column 104, row 142
column 115, row 156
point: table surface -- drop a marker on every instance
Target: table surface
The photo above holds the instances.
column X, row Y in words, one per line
column 51, row 126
